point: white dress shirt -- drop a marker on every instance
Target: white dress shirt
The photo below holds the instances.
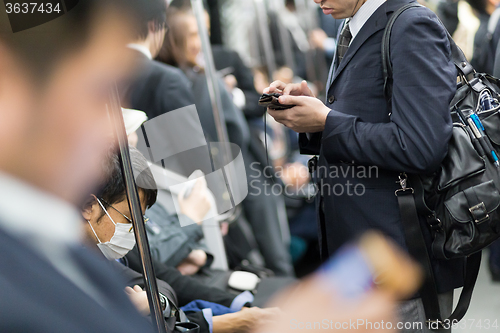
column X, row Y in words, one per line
column 362, row 15
column 141, row 48
column 45, row 223
column 34, row 215
column 355, row 24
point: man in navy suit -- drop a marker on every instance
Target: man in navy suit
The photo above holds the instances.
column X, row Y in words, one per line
column 362, row 143
column 54, row 132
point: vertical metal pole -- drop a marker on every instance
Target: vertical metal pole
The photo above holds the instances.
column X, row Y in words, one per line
column 211, row 74
column 286, row 44
column 213, row 89
column 115, row 113
column 265, row 35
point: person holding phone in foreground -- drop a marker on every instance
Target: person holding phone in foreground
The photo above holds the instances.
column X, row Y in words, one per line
column 355, row 291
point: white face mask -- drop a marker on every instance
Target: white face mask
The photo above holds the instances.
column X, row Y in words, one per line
column 120, row 244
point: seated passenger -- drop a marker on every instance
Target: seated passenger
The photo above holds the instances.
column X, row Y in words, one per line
column 108, row 226
column 170, row 243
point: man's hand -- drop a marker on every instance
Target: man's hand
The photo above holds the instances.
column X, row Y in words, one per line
column 308, row 115
column 245, row 320
column 197, row 204
column 139, row 298
column 294, row 89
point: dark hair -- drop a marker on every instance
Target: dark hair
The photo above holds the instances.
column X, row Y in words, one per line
column 40, row 48
column 478, row 5
column 112, row 188
column 174, row 45
column 157, row 13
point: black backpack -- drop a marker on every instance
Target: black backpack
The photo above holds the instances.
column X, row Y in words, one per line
column 461, row 200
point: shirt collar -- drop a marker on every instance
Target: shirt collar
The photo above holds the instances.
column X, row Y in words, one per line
column 34, row 215
column 362, row 15
column 141, row 48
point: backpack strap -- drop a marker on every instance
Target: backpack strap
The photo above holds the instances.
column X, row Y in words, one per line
column 463, row 66
column 408, row 208
column 418, row 249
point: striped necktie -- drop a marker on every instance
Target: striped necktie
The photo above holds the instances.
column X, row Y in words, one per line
column 343, row 42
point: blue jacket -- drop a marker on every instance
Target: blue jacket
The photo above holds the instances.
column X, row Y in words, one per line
column 365, row 145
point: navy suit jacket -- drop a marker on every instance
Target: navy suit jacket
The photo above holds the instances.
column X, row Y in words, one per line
column 365, row 145
column 35, row 297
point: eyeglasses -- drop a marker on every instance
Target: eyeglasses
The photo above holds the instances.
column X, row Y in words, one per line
column 144, row 217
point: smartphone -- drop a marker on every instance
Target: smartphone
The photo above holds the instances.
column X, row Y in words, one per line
column 374, row 261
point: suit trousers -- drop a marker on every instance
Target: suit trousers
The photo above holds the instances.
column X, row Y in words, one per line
column 412, row 312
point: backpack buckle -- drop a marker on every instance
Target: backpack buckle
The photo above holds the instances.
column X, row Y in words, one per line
column 312, row 164
column 479, row 213
column 434, row 223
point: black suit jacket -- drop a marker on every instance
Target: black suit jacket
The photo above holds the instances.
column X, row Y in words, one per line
column 225, row 59
column 35, row 297
column 365, row 145
column 157, row 88
column 134, row 278
column 187, row 288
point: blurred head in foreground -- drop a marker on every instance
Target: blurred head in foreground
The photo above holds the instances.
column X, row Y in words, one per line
column 54, row 83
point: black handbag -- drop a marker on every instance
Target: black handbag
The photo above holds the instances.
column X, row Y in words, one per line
column 461, row 200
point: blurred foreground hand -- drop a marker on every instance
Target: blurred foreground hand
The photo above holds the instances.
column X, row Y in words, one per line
column 309, row 307
column 139, row 298
column 357, row 290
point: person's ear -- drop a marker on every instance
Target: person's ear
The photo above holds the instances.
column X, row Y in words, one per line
column 89, row 209
column 152, row 28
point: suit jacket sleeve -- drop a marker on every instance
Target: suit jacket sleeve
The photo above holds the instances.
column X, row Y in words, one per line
column 133, row 278
column 174, row 91
column 310, row 143
column 186, row 288
column 416, row 138
column 198, row 318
